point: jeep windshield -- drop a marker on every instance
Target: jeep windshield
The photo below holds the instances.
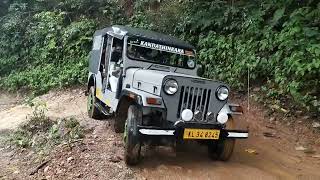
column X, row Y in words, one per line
column 144, row 50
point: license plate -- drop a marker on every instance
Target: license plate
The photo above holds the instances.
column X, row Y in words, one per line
column 201, row 134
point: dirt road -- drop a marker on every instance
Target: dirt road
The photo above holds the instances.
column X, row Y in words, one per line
column 271, row 152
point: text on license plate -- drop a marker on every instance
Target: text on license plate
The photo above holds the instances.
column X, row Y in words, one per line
column 201, row 134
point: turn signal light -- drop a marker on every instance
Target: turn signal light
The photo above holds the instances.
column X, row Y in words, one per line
column 236, row 108
column 154, row 101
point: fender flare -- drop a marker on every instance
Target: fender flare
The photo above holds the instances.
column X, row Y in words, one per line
column 131, row 96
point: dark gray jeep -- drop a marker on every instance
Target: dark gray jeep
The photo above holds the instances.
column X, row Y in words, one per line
column 150, row 83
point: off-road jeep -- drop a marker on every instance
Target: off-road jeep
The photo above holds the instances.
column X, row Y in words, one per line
column 149, row 84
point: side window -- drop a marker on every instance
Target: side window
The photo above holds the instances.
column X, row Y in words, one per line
column 117, row 48
column 116, row 64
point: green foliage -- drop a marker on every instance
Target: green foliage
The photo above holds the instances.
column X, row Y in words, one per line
column 44, row 44
column 277, row 41
column 55, row 55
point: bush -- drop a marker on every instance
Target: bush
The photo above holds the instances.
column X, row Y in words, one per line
column 40, row 133
column 44, row 46
column 278, row 42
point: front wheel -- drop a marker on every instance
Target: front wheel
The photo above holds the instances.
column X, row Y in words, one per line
column 131, row 135
column 222, row 150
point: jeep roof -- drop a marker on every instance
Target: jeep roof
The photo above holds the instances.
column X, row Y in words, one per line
column 121, row 31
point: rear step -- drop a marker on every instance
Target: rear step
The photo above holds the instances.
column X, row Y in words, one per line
column 103, row 110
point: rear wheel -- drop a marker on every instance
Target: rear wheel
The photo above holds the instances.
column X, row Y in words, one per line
column 222, row 150
column 93, row 111
column 131, row 135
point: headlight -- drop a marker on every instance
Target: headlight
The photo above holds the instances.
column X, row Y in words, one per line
column 222, row 93
column 191, row 63
column 171, row 86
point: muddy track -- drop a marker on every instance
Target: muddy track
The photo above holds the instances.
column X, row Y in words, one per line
column 269, row 153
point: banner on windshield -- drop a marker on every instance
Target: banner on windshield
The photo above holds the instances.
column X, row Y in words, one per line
column 160, row 47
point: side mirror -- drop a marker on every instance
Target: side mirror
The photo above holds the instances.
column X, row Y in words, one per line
column 200, row 70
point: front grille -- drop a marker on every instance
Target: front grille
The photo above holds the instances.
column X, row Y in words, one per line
column 195, row 99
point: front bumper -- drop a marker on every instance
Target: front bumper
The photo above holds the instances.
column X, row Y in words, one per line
column 177, row 132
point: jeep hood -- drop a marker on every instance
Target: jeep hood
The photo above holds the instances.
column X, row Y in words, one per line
column 151, row 80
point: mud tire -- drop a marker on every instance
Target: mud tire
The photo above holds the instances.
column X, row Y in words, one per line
column 93, row 111
column 119, row 123
column 131, row 135
column 117, row 126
